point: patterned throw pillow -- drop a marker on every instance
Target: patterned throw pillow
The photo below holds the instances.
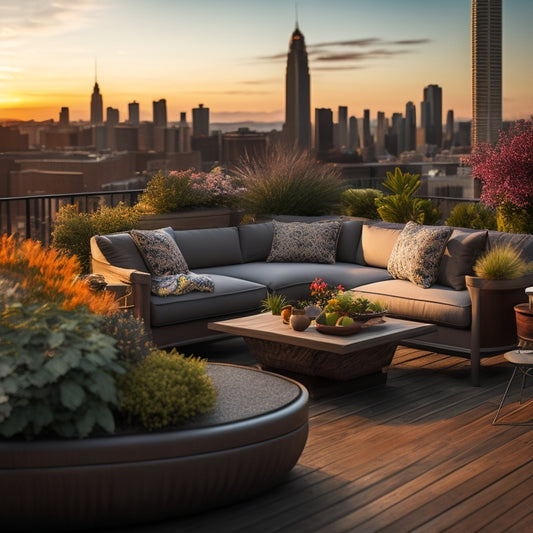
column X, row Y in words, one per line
column 181, row 284
column 160, row 252
column 302, row 242
column 417, row 253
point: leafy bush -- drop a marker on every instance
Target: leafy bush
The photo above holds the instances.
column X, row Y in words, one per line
column 501, row 262
column 166, row 389
column 56, row 372
column 473, row 215
column 169, row 192
column 360, row 203
column 288, row 182
column 73, row 230
column 402, row 205
column 274, row 303
column 514, row 219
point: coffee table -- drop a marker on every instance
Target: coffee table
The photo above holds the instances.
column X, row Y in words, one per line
column 276, row 345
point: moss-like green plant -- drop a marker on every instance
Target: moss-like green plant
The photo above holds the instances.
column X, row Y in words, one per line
column 165, row 389
column 501, row 262
column 402, row 205
column 56, row 372
column 285, row 181
column 73, row 230
column 360, row 203
column 473, row 215
column 274, row 303
column 514, row 219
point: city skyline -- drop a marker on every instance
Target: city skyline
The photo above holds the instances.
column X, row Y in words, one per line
column 231, row 56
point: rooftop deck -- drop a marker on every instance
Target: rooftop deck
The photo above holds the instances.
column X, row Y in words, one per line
column 416, row 454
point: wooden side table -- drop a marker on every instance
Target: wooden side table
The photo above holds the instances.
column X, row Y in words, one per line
column 522, row 361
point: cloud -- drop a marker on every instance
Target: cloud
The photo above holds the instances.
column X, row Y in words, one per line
column 353, row 53
column 22, row 20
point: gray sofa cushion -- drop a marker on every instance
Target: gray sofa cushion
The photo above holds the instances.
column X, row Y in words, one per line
column 208, row 247
column 120, row 250
column 294, row 279
column 348, row 243
column 441, row 305
column 462, row 249
column 521, row 241
column 231, row 296
column 256, row 241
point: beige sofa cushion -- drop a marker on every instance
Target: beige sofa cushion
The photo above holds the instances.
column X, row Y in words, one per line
column 376, row 244
column 438, row 304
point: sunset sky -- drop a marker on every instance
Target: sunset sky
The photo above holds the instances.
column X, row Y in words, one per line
column 230, row 55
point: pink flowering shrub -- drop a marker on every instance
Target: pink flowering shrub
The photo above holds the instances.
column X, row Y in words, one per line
column 506, row 170
column 216, row 188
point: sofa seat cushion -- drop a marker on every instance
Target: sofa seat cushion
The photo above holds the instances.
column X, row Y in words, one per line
column 294, row 279
column 438, row 304
column 231, row 296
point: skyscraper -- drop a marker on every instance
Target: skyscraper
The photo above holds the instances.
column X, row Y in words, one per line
column 323, row 130
column 486, row 70
column 97, row 106
column 297, row 93
column 133, row 112
column 160, row 113
column 343, row 126
column 410, row 126
column 200, row 121
column 431, row 109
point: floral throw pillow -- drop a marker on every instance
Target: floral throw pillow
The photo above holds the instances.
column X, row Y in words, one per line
column 417, row 253
column 160, row 252
column 302, row 242
column 181, row 284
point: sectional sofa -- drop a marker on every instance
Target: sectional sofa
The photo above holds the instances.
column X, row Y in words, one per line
column 421, row 273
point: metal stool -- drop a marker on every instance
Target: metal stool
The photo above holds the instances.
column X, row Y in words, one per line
column 522, row 360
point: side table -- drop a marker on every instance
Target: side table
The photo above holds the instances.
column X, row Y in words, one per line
column 123, row 295
column 522, row 361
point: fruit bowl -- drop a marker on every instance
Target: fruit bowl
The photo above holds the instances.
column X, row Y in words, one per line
column 340, row 330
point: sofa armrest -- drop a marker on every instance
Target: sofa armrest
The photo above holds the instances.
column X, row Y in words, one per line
column 493, row 317
column 140, row 283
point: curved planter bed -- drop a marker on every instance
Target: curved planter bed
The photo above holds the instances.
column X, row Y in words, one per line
column 247, row 444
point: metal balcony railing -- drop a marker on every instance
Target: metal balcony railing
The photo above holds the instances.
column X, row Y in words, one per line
column 33, row 216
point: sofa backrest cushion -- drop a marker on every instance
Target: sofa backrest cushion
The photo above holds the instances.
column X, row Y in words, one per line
column 302, row 242
column 521, row 241
column 256, row 241
column 210, row 246
column 120, row 250
column 462, row 250
column 377, row 241
column 349, row 238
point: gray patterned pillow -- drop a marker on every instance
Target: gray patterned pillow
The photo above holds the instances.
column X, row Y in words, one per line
column 302, row 242
column 417, row 253
column 160, row 252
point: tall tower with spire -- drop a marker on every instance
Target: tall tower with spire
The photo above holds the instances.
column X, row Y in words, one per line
column 97, row 105
column 297, row 93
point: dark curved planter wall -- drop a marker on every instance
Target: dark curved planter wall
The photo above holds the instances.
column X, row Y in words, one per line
column 239, row 450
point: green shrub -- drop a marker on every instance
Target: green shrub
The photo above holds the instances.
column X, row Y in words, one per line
column 473, row 215
column 514, row 219
column 73, row 230
column 56, row 372
column 285, row 181
column 402, row 205
column 133, row 342
column 501, row 262
column 360, row 203
column 165, row 389
column 274, row 303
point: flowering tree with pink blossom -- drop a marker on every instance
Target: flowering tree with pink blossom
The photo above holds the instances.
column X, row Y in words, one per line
column 506, row 174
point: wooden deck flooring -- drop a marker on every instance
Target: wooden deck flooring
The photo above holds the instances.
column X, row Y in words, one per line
column 417, row 454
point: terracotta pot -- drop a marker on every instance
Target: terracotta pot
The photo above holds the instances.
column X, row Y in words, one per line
column 524, row 323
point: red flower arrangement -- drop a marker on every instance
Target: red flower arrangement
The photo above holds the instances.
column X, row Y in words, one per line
column 321, row 292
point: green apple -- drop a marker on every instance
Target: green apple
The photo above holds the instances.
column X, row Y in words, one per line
column 344, row 321
column 331, row 318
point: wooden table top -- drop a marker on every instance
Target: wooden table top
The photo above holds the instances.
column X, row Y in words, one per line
column 270, row 327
